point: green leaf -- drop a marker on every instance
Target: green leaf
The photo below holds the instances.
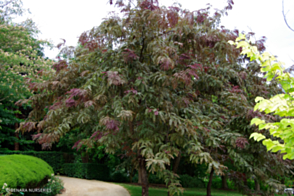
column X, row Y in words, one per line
column 286, row 85
column 241, row 36
column 242, row 44
column 256, row 121
column 257, row 136
column 257, row 99
column 231, row 42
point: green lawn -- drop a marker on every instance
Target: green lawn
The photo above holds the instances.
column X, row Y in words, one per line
column 137, row 191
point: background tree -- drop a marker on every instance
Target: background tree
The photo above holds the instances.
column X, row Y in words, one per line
column 20, row 57
column 279, row 105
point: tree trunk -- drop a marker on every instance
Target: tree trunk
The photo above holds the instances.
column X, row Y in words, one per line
column 224, row 182
column 245, row 179
column 208, row 189
column 139, row 176
column 177, row 163
column 85, row 159
column 257, row 185
column 144, row 177
column 175, row 168
column 131, row 174
column 16, row 144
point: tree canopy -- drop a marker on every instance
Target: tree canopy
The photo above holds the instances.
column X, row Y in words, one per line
column 156, row 83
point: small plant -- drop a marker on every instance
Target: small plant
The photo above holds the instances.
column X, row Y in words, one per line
column 54, row 185
column 4, row 191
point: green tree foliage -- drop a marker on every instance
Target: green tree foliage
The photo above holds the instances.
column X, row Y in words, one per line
column 281, row 105
column 155, row 83
column 20, row 59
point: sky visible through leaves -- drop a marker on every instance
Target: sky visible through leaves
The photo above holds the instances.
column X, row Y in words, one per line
column 69, row 18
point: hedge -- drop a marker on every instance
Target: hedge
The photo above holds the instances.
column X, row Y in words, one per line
column 87, row 171
column 22, row 171
column 191, row 182
column 54, row 159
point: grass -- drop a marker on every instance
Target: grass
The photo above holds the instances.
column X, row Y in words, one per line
column 137, row 191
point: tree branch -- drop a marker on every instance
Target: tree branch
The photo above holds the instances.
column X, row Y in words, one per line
column 141, row 53
column 285, row 16
column 6, row 4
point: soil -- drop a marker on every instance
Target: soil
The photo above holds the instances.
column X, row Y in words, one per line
column 82, row 187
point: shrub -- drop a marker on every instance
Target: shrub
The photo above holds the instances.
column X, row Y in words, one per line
column 54, row 159
column 216, row 183
column 231, row 185
column 251, row 184
column 154, row 179
column 55, row 185
column 22, row 171
column 191, row 182
column 87, row 171
column 135, row 178
column 119, row 176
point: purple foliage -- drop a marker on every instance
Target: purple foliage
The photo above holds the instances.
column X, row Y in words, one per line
column 132, row 90
column 61, row 64
column 34, row 137
column 112, row 125
column 129, row 55
column 165, row 64
column 241, row 142
column 70, row 102
column 96, row 135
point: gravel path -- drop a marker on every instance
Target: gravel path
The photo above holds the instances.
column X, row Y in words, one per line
column 82, row 187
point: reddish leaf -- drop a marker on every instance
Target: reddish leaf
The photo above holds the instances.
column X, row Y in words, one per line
column 34, row 137
column 55, row 105
column 70, row 102
column 61, row 64
column 241, row 142
column 129, row 55
column 76, row 144
column 89, row 103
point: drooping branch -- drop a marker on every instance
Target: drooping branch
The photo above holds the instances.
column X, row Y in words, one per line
column 285, row 16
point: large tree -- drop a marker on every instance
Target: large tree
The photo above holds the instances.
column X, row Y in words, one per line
column 157, row 83
column 20, row 58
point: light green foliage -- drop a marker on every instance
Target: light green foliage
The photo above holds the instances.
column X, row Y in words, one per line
column 22, row 171
column 281, row 105
column 21, row 59
column 20, row 54
column 54, row 159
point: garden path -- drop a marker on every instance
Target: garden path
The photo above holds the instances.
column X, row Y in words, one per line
column 82, row 187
